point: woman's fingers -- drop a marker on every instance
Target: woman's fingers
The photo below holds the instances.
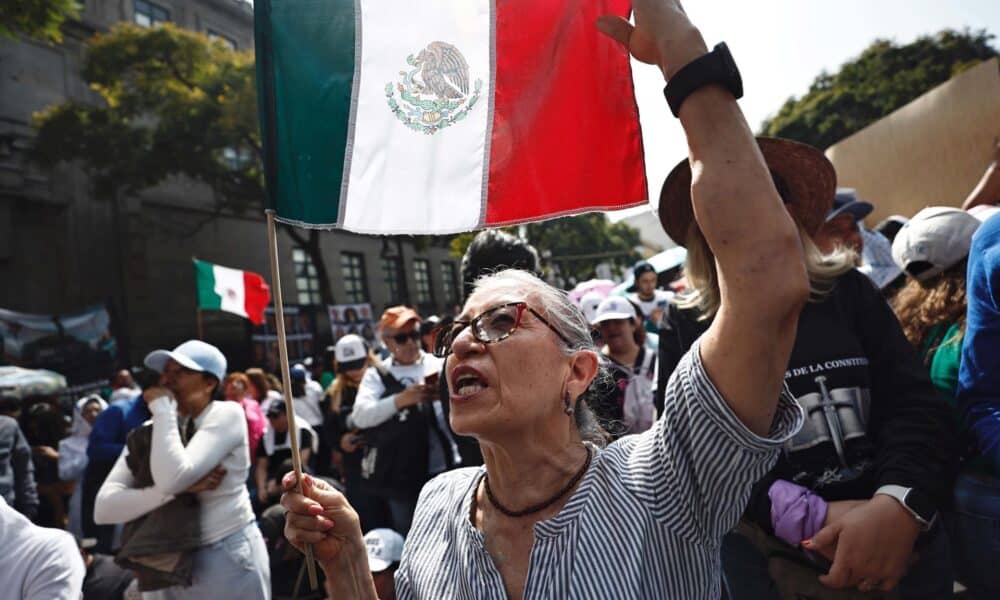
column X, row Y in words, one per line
column 616, row 28
column 309, row 522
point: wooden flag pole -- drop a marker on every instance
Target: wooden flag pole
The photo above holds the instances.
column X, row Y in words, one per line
column 201, row 328
column 293, row 432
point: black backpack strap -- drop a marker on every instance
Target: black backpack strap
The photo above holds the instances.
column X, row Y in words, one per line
column 389, row 382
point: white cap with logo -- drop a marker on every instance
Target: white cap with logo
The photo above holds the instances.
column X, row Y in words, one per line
column 613, row 307
column 350, row 352
column 385, row 547
column 934, row 240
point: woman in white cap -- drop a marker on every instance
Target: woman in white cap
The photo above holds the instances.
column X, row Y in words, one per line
column 231, row 561
column 627, row 405
column 933, row 251
column 932, row 248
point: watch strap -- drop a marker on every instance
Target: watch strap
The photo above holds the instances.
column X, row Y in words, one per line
column 714, row 68
column 900, row 493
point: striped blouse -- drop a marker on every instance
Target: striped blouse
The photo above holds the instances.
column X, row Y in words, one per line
column 646, row 521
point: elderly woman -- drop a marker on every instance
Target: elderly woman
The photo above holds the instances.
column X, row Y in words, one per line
column 553, row 514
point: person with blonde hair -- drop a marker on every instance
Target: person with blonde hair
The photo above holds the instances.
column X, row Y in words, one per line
column 863, row 482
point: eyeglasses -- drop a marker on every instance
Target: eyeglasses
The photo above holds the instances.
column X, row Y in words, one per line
column 492, row 325
column 402, row 338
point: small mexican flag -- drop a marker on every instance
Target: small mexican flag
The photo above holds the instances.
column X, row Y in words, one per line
column 231, row 290
column 441, row 116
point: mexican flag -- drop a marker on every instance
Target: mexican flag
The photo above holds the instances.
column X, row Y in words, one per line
column 441, row 116
column 231, row 290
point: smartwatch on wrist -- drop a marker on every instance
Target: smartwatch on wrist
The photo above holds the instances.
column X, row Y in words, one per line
column 914, row 501
column 715, row 68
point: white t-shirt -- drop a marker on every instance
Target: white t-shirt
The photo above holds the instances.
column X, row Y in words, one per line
column 660, row 300
column 220, row 439
column 37, row 563
column 309, row 406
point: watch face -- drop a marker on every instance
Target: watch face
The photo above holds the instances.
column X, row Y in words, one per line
column 920, row 504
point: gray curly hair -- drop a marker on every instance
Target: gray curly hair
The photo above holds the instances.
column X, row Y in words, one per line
column 565, row 317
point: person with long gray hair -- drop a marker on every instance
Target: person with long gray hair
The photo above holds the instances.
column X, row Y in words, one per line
column 554, row 512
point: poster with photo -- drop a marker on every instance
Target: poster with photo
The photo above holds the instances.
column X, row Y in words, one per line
column 352, row 318
column 299, row 328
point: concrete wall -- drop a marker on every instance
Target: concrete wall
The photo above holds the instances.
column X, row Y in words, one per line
column 930, row 152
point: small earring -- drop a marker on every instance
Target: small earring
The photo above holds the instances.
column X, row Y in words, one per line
column 567, row 405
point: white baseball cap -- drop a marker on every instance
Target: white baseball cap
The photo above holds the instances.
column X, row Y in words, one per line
column 589, row 303
column 350, row 352
column 192, row 354
column 934, row 240
column 614, row 307
column 385, row 547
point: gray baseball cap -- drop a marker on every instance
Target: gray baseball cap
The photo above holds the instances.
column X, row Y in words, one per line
column 192, row 354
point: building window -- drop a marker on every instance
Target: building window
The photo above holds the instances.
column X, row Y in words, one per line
column 391, row 274
column 448, row 283
column 148, row 14
column 422, row 277
column 306, row 279
column 352, row 268
column 221, row 37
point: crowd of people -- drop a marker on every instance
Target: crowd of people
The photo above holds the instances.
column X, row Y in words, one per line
column 807, row 410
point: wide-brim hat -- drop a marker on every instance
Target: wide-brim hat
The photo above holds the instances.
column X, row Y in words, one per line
column 806, row 174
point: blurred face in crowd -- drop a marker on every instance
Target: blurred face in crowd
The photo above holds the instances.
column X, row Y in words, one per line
column 279, row 421
column 235, row 391
column 506, row 387
column 90, row 412
column 354, row 375
column 618, row 334
column 123, row 379
column 193, row 389
column 842, row 230
column 404, row 343
column 646, row 285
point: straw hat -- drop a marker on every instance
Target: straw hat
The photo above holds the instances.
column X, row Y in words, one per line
column 808, row 177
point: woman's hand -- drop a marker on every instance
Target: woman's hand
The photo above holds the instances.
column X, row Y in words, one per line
column 411, row 396
column 155, row 392
column 208, row 482
column 662, row 34
column 321, row 516
column 871, row 545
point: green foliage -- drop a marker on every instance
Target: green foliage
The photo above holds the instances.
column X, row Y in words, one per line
column 171, row 103
column 882, row 79
column 38, row 19
column 574, row 244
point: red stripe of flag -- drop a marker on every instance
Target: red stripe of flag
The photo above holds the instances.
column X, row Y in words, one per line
column 257, row 296
column 554, row 113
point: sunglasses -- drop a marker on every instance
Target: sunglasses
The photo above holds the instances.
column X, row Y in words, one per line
column 492, row 325
column 402, row 338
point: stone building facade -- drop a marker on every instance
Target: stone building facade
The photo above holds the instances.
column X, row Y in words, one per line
column 63, row 249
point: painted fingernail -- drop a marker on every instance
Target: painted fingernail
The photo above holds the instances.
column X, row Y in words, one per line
column 326, row 523
column 807, row 543
column 315, row 509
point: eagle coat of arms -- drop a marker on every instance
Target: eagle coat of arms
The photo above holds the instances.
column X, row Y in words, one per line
column 435, row 92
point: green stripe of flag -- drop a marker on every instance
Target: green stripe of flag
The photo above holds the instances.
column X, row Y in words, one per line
column 205, row 278
column 305, row 72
